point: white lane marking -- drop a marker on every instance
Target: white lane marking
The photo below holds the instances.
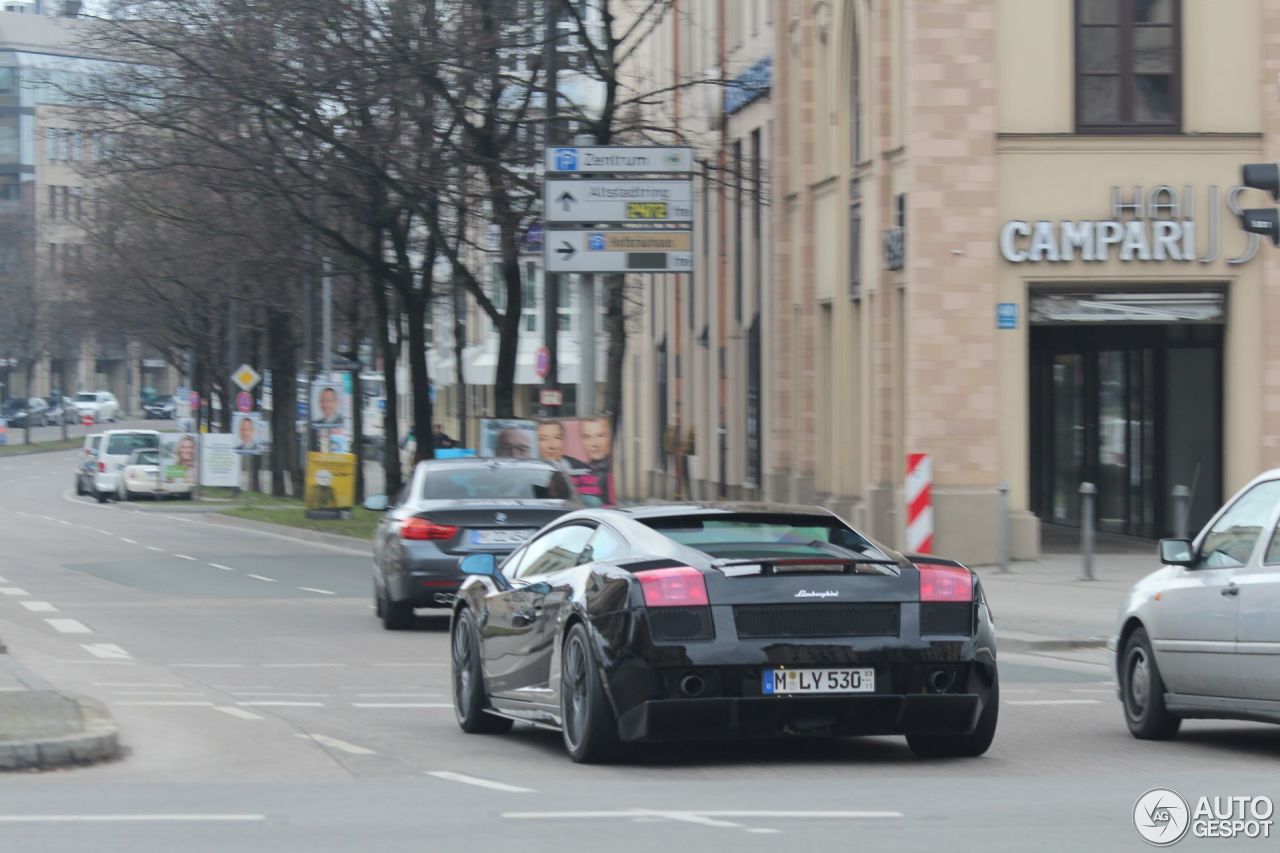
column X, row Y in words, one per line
column 706, row 817
column 220, row 566
column 211, row 665
column 399, row 695
column 78, row 662
column 411, row 664
column 1092, row 690
column 302, row 665
column 187, row 693
column 159, row 704
column 69, row 626
column 401, row 705
column 185, row 557
column 1052, row 702
column 450, row 776
column 318, row 591
column 334, row 743
column 103, row 532
column 39, row 606
column 106, row 651
column 261, row 578
column 130, row 541
column 274, row 704
column 131, row 818
column 65, row 522
column 154, row 548
column 131, row 684
column 277, row 694
column 238, row 712
column 12, row 590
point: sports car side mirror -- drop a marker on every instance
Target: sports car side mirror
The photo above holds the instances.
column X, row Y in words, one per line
column 1177, row 552
column 479, row 564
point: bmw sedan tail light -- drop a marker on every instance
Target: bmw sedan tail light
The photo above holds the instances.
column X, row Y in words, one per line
column 678, row 586
column 945, row 583
column 424, row 528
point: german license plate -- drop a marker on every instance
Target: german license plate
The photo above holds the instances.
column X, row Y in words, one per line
column 500, row 537
column 786, row 682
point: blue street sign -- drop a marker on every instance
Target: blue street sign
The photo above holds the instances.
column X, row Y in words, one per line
column 302, row 409
column 566, row 159
column 596, row 242
column 1006, row 315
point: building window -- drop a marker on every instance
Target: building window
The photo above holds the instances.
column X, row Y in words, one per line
column 53, row 202
column 737, row 230
column 855, row 90
column 855, row 241
column 1128, row 66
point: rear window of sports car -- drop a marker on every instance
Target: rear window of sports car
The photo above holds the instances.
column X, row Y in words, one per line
column 732, row 537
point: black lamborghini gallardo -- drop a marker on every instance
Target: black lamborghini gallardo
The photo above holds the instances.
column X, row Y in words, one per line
column 684, row 622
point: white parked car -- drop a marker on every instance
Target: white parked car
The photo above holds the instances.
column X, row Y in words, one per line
column 113, row 454
column 87, row 463
column 142, row 477
column 102, row 405
column 1200, row 637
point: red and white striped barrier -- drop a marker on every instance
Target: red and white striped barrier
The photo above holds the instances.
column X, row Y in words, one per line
column 919, row 489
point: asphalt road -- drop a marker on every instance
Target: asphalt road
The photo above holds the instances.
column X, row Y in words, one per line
column 264, row 709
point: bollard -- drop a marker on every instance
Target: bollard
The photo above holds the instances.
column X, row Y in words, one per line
column 1181, row 508
column 1002, row 509
column 1088, row 491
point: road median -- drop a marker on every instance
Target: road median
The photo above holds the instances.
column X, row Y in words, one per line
column 42, row 728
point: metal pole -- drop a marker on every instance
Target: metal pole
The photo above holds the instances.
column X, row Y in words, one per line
column 326, row 309
column 1181, row 506
column 1002, row 511
column 1088, row 492
column 550, row 280
column 587, row 346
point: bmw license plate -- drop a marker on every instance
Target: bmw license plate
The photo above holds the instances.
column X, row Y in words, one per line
column 501, row 537
column 785, row 682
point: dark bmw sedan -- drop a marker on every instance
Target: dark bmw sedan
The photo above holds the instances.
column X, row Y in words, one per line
column 679, row 622
column 453, row 508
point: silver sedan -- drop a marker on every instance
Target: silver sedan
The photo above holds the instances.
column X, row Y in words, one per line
column 1200, row 637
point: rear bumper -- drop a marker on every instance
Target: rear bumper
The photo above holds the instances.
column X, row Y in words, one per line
column 695, row 719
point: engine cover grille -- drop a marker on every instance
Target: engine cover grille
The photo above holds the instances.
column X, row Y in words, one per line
column 681, row 623
column 948, row 618
column 755, row 621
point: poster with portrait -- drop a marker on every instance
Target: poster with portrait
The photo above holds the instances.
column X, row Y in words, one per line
column 503, row 438
column 330, row 412
column 178, row 458
column 583, row 447
column 252, row 433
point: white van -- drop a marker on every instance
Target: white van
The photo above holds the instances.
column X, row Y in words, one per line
column 113, row 453
column 101, row 405
column 87, row 463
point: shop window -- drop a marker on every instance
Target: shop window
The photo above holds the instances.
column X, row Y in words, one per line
column 1128, row 66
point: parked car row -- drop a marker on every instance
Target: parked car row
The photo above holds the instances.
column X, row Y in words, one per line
column 124, row 464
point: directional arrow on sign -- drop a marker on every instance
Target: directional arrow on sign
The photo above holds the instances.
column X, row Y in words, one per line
column 567, row 199
column 566, row 250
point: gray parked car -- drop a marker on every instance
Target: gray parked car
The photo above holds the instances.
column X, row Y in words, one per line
column 453, row 508
column 1200, row 637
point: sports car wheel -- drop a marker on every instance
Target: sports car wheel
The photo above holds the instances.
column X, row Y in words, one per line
column 379, row 606
column 590, row 731
column 1142, row 690
column 469, row 697
column 971, row 745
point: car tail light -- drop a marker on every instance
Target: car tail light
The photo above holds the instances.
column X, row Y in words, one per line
column 945, row 583
column 678, row 586
column 102, row 467
column 425, row 528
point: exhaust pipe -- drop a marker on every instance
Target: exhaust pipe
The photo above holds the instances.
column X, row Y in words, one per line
column 692, row 686
column 940, row 680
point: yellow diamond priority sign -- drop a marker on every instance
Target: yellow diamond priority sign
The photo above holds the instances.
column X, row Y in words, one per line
column 246, row 377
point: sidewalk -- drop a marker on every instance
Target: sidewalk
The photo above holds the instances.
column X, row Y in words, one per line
column 1043, row 604
column 40, row 728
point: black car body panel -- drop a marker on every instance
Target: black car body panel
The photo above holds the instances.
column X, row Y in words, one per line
column 425, row 572
column 678, row 673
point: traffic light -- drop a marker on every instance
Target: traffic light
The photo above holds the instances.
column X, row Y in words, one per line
column 1262, row 220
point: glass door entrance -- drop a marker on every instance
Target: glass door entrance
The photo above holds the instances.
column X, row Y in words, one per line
column 1134, row 410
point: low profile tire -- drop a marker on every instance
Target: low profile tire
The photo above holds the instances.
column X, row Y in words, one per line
column 379, row 606
column 396, row 615
column 588, row 726
column 1142, row 691
column 971, row 745
column 469, row 697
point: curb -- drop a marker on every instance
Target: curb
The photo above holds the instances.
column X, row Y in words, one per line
column 1031, row 643
column 100, row 741
column 286, row 531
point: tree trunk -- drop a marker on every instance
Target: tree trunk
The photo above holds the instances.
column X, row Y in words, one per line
column 508, row 332
column 415, row 309
column 615, row 321
column 282, row 357
column 391, row 415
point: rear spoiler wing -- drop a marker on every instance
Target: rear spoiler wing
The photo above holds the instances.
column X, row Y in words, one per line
column 930, row 560
column 768, row 565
